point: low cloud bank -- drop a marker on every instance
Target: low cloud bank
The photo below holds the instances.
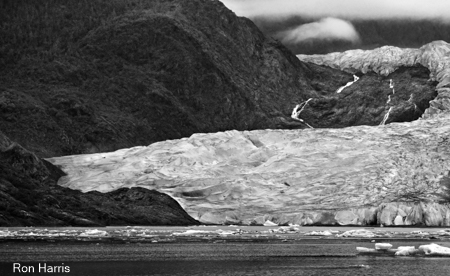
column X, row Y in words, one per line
column 326, row 28
column 349, row 9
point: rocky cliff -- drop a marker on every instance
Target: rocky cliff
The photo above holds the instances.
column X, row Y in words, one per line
column 29, row 196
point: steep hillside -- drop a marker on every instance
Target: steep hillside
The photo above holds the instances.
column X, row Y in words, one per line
column 435, row 56
column 91, row 76
column 29, row 196
column 96, row 76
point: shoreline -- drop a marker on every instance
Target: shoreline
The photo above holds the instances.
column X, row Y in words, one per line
column 244, row 234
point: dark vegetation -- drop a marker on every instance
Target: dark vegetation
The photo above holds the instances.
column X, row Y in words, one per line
column 99, row 75
column 29, row 196
column 95, row 76
column 374, row 33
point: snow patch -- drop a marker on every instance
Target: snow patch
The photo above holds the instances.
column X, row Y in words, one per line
column 355, row 79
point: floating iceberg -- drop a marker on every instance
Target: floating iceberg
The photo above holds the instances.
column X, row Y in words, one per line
column 386, row 249
column 94, row 233
column 319, row 233
column 383, row 246
column 360, row 233
column 435, row 250
column 192, row 232
column 406, row 251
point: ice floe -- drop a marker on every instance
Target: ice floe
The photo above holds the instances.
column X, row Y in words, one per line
column 360, row 233
column 386, row 249
column 94, row 233
column 319, row 233
column 435, row 250
column 269, row 223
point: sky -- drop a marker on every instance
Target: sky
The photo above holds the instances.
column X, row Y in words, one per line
column 332, row 19
column 349, row 9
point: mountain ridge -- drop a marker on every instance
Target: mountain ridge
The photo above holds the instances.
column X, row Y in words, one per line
column 385, row 60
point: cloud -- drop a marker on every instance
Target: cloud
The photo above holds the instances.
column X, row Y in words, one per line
column 326, row 28
column 348, row 9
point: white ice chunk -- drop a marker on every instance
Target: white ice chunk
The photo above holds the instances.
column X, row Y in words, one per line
column 444, row 232
column 383, row 246
column 319, row 233
column 406, row 251
column 4, row 233
column 269, row 223
column 94, row 233
column 192, row 232
column 357, row 233
column 435, row 250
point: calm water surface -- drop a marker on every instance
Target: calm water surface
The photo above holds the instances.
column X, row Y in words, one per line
column 319, row 256
column 284, row 266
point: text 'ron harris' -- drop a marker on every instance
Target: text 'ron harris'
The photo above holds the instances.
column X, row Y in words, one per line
column 40, row 268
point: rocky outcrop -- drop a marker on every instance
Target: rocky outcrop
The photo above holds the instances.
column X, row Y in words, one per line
column 391, row 174
column 385, row 60
column 29, row 196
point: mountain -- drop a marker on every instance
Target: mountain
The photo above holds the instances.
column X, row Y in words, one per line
column 391, row 174
column 97, row 76
column 29, row 196
column 385, row 60
column 104, row 75
column 126, row 73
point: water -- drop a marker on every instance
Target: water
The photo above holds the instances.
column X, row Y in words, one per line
column 282, row 266
column 310, row 258
column 275, row 254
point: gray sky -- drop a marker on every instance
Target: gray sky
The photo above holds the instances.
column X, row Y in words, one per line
column 348, row 9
